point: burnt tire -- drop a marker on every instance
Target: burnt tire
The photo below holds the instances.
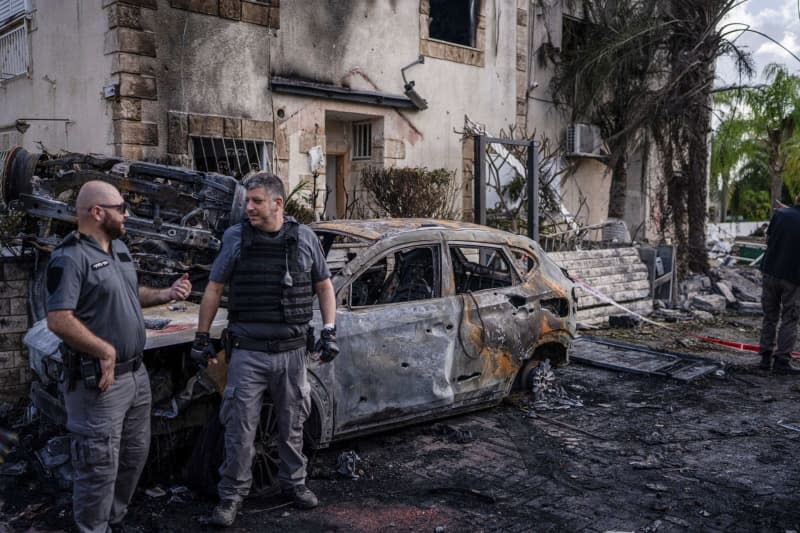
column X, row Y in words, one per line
column 524, row 379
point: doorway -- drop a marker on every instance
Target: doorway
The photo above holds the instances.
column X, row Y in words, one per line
column 335, row 198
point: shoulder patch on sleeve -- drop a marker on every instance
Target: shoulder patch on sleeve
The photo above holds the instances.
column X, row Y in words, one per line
column 124, row 257
column 54, row 274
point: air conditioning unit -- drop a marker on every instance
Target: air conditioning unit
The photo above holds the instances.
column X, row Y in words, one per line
column 583, row 139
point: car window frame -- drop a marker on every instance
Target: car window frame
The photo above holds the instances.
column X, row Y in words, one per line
column 537, row 262
column 438, row 289
column 517, row 278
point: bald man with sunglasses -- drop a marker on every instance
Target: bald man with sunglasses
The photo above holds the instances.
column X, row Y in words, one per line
column 94, row 304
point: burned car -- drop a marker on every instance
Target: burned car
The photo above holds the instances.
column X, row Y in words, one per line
column 433, row 317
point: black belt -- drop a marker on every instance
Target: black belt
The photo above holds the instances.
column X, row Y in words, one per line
column 120, row 369
column 272, row 346
column 132, row 365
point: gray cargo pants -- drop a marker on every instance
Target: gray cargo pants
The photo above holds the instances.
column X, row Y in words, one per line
column 250, row 375
column 110, row 440
column 780, row 301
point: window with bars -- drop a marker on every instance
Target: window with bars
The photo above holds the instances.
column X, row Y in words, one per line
column 362, row 140
column 14, row 52
column 229, row 156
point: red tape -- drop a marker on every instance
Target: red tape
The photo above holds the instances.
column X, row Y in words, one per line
column 741, row 346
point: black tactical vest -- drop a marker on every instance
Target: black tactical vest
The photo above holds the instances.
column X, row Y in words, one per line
column 257, row 289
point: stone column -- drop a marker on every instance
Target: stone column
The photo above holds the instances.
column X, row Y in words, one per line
column 131, row 41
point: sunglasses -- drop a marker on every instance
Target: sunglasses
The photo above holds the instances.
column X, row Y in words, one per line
column 121, row 208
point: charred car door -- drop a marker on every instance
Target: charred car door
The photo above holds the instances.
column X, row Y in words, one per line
column 499, row 324
column 397, row 336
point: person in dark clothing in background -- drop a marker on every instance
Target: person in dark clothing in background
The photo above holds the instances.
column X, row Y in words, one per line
column 780, row 295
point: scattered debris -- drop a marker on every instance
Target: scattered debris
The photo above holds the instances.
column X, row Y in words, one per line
column 156, row 323
column 624, row 321
column 347, row 463
column 55, row 453
column 7, row 440
column 751, row 308
column 564, row 425
column 788, row 425
column 713, row 303
column 648, row 463
column 14, row 469
column 54, row 460
column 626, row 357
column 703, row 316
column 178, row 493
column 547, row 393
column 156, row 492
column 726, row 292
column 460, row 436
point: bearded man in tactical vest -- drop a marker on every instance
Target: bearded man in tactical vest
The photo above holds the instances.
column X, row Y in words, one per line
column 273, row 266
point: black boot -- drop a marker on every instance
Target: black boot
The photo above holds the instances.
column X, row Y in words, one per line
column 784, row 366
column 766, row 361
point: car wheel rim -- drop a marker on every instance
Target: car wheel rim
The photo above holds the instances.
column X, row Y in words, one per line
column 266, row 460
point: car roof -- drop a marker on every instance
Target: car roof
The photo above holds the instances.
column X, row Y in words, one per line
column 380, row 228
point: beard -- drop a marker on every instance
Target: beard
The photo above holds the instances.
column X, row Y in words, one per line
column 113, row 229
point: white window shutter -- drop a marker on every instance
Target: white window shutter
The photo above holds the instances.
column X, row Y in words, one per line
column 11, row 8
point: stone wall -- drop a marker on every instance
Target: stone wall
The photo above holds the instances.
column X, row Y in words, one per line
column 15, row 373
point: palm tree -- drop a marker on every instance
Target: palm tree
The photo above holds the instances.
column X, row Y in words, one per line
column 604, row 70
column 648, row 66
column 764, row 125
column 728, row 149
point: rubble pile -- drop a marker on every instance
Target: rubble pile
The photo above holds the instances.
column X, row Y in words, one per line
column 732, row 288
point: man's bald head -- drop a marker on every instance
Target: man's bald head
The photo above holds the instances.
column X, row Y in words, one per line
column 95, row 193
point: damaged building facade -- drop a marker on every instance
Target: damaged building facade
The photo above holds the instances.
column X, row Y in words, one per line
column 315, row 92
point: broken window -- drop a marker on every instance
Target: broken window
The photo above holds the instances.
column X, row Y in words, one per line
column 229, row 156
column 362, row 140
column 524, row 259
column 454, row 21
column 477, row 267
column 340, row 249
column 401, row 276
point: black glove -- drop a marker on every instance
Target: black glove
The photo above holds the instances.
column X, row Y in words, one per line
column 202, row 349
column 326, row 345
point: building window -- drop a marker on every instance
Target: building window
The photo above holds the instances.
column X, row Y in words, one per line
column 454, row 21
column 575, row 37
column 14, row 53
column 362, row 140
column 229, row 156
column 11, row 8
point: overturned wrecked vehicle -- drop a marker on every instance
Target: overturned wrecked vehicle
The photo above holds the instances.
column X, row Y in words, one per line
column 433, row 317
